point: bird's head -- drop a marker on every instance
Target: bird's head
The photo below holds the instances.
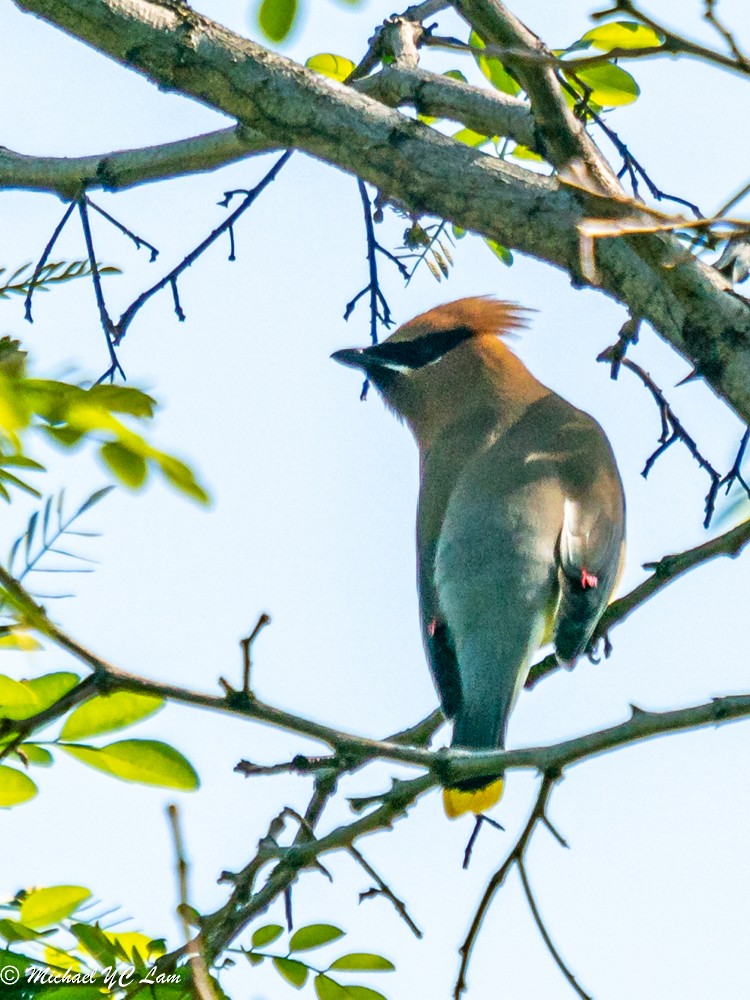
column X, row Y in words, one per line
column 431, row 365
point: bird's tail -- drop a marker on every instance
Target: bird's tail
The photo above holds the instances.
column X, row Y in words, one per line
column 458, row 801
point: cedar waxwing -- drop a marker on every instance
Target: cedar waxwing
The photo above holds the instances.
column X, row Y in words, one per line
column 520, row 526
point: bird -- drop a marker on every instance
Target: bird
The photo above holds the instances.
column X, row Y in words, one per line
column 520, row 520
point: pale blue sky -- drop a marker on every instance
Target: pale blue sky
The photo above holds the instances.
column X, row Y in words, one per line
column 312, row 521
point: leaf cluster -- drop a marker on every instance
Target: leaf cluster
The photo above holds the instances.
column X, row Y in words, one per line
column 297, row 971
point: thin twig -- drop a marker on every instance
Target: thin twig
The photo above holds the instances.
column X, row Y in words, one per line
column 201, row 980
column 545, row 933
column 246, row 645
column 104, row 317
column 498, row 879
column 138, row 240
column 121, row 328
column 383, row 889
column 43, row 259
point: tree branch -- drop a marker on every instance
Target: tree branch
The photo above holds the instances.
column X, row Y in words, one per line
column 122, row 169
column 685, row 300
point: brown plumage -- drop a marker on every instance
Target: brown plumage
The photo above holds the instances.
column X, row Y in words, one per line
column 520, row 527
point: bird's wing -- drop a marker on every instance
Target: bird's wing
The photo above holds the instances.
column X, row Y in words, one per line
column 441, row 468
column 592, row 536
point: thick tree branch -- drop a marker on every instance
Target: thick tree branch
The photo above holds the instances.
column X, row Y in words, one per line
column 120, row 169
column 562, row 136
column 686, row 301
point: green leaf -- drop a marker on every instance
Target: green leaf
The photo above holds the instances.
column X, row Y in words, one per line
column 623, row 35
column 17, row 700
column 13, row 932
column 610, row 85
column 360, row 961
column 93, row 940
column 294, row 972
column 493, row 69
column 363, row 993
column 266, row 935
column 503, row 253
column 276, row 18
column 524, row 153
column 92, row 500
column 328, row 989
column 66, row 436
column 337, row 67
column 129, row 467
column 314, row 936
column 471, row 138
column 146, row 762
column 51, row 687
column 47, row 907
column 123, row 399
column 18, row 638
column 30, row 753
column 455, row 74
column 181, row 476
column 252, row 958
column 108, row 712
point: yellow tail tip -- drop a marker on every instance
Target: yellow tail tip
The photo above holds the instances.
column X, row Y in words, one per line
column 456, row 802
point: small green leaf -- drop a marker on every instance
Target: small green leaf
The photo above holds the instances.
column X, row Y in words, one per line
column 181, row 476
column 129, row 467
column 314, row 936
column 503, row 253
column 455, row 74
column 47, row 907
column 471, row 138
column 68, row 437
column 51, row 687
column 294, row 972
column 276, row 18
column 363, row 993
column 17, row 701
column 30, row 753
column 362, row 960
column 146, row 762
column 93, row 940
column 13, row 931
column 108, row 712
column 493, row 69
column 609, row 85
column 524, row 153
column 252, row 958
column 92, row 500
column 18, row 638
column 623, row 35
column 328, row 989
column 337, row 67
column 123, row 399
column 266, row 935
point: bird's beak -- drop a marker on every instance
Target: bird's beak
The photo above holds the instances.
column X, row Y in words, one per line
column 352, row 357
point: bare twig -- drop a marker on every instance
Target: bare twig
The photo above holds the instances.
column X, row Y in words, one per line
column 110, row 333
column 383, row 889
column 545, row 933
column 170, row 279
column 246, row 645
column 138, row 240
column 201, row 980
column 44, row 258
column 515, row 857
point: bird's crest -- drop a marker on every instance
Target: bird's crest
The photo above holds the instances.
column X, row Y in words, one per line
column 479, row 314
